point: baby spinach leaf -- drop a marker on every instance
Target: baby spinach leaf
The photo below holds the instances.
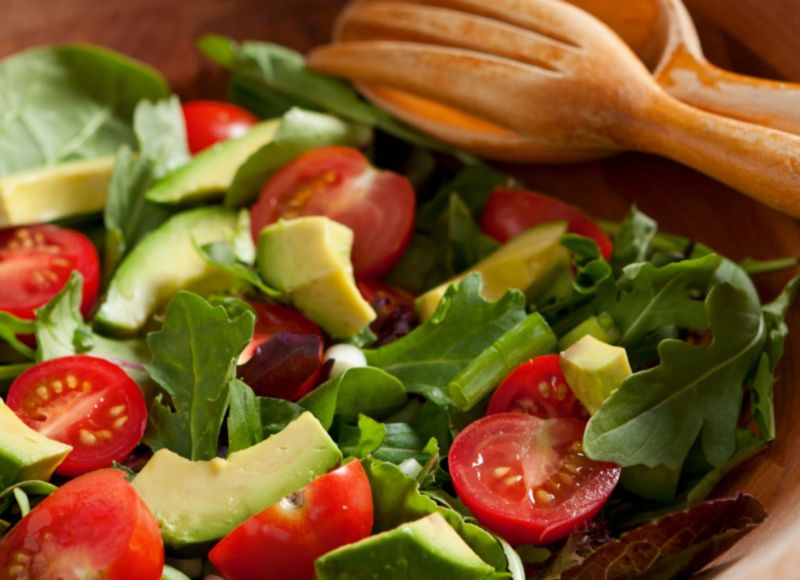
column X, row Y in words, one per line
column 194, row 360
column 655, row 416
column 252, row 419
column 69, row 102
column 463, row 326
column 361, row 440
column 161, row 133
column 60, row 330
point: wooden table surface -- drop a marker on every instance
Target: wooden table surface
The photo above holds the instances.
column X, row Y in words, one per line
column 162, row 33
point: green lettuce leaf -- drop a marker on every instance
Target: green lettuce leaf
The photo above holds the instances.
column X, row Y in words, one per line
column 194, row 360
column 655, row 416
column 11, row 328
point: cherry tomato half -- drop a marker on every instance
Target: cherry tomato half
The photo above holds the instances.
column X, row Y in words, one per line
column 527, row 479
column 397, row 315
column 209, row 122
column 93, row 526
column 512, row 211
column 538, row 388
column 84, row 401
column 35, row 263
column 284, row 540
column 338, row 182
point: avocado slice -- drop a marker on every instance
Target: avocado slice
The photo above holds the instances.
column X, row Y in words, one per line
column 196, row 502
column 425, row 548
column 24, row 453
column 527, row 262
column 164, row 262
column 55, row 192
column 212, row 171
column 309, row 259
column 594, row 370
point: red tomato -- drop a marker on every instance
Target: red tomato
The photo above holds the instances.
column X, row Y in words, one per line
column 271, row 319
column 209, row 122
column 397, row 315
column 526, row 478
column 538, row 388
column 35, row 263
column 338, row 182
column 93, row 526
column 283, row 541
column 512, row 211
column 86, row 402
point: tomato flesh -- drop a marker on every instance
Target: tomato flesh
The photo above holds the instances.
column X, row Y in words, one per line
column 209, row 122
column 284, row 540
column 86, row 402
column 538, row 388
column 526, row 478
column 35, row 263
column 338, row 182
column 95, row 526
column 512, row 211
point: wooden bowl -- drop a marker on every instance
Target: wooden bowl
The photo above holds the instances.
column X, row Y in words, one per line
column 162, row 33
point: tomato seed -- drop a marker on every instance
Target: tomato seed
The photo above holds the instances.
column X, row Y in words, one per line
column 544, row 389
column 38, row 277
column 116, row 410
column 38, row 237
column 60, row 262
column 120, row 422
column 86, row 386
column 72, row 381
column 105, row 435
column 58, row 386
column 15, row 570
column 514, row 479
column 566, row 479
column 87, row 438
column 561, row 391
column 42, row 392
column 500, row 471
column 544, row 496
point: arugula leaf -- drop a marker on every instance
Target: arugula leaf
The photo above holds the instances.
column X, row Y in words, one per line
column 299, row 131
column 397, row 500
column 278, row 75
column 69, row 102
column 11, row 327
column 653, row 297
column 673, row 547
column 364, row 390
column 633, row 241
column 655, row 416
column 60, row 330
column 194, row 360
column 464, row 325
column 753, row 267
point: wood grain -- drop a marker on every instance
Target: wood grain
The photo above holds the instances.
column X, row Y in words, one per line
column 162, row 33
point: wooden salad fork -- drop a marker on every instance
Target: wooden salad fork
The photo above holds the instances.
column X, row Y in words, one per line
column 555, row 75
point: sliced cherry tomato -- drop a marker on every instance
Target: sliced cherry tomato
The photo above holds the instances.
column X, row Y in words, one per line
column 538, row 388
column 527, row 479
column 95, row 526
column 397, row 315
column 338, row 182
column 35, row 263
column 84, row 401
column 209, row 122
column 284, row 540
column 512, row 211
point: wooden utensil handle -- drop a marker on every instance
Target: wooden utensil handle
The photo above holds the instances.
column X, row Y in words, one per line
column 758, row 161
column 699, row 83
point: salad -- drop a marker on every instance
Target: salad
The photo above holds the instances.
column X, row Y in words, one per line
column 287, row 336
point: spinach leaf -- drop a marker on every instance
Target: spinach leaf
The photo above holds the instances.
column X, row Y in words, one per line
column 655, row 416
column 161, row 133
column 358, row 390
column 252, row 419
column 194, row 360
column 299, row 131
column 69, row 102
column 463, row 326
column 60, row 330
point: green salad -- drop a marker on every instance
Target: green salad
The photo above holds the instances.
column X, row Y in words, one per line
column 286, row 336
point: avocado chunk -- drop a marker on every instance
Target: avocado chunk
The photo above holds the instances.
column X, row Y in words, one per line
column 528, row 262
column 196, row 502
column 308, row 258
column 164, row 262
column 594, row 370
column 212, row 171
column 55, row 192
column 425, row 548
column 24, row 453
column 602, row 327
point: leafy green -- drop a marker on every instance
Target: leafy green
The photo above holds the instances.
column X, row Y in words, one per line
column 69, row 102
column 11, row 327
column 464, row 325
column 655, row 416
column 397, row 500
column 161, row 133
column 753, row 267
column 358, row 390
column 60, row 330
column 363, row 439
column 633, row 241
column 274, row 75
column 18, row 495
column 194, row 360
column 299, row 131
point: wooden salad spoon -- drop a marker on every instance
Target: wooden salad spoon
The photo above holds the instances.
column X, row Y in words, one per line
column 551, row 72
column 663, row 34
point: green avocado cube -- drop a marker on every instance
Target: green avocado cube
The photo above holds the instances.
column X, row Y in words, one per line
column 594, row 370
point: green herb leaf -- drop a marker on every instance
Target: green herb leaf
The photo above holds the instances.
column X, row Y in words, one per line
column 60, row 330
column 633, row 241
column 655, row 416
column 464, row 325
column 753, row 267
column 11, row 327
column 194, row 360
